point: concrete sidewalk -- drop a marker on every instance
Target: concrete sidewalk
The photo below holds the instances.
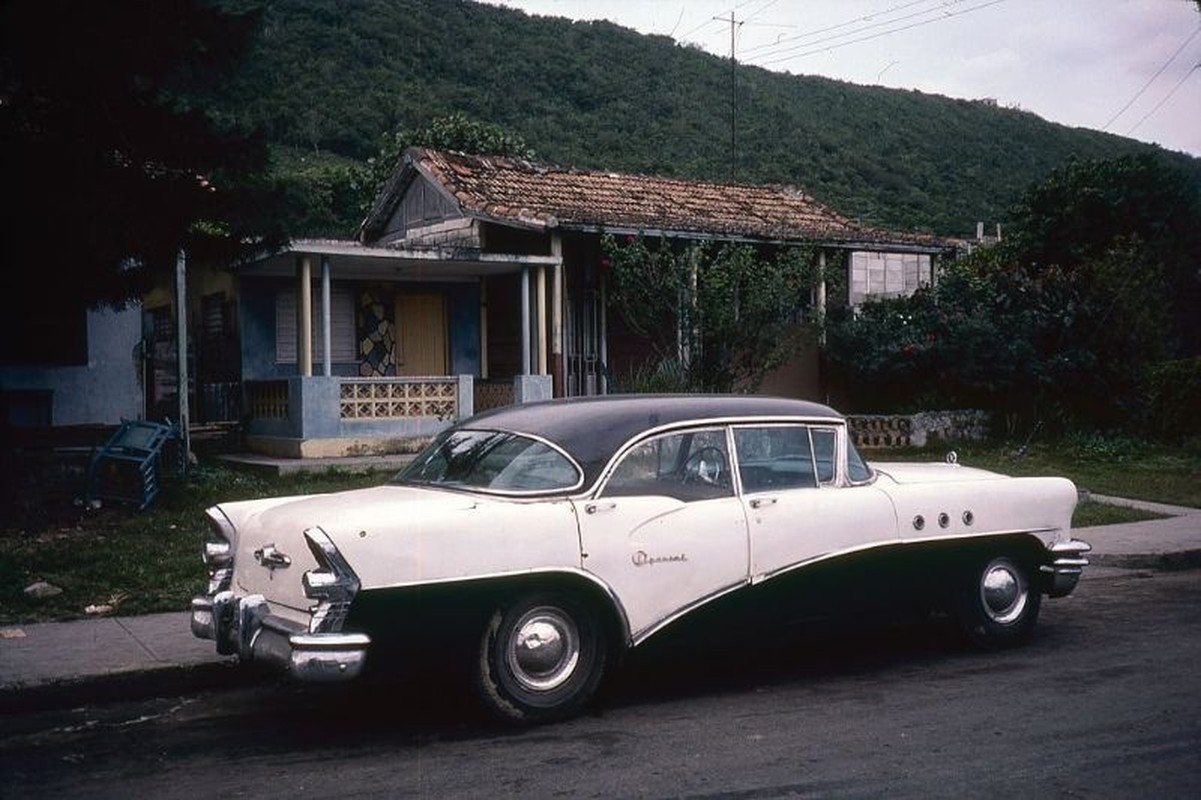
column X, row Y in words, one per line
column 61, row 664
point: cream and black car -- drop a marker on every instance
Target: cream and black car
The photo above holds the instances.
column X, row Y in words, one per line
column 536, row 544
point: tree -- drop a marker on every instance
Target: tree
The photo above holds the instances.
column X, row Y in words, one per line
column 1081, row 213
column 110, row 168
column 452, row 132
column 1060, row 323
column 718, row 317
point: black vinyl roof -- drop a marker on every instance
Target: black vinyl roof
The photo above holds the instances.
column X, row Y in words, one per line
column 591, row 429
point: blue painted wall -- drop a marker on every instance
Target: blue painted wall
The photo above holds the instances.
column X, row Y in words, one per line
column 257, row 310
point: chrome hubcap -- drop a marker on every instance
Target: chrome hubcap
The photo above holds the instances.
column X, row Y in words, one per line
column 1003, row 591
column 544, row 649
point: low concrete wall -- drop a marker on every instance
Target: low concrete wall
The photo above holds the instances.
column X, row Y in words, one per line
column 320, row 417
column 923, row 429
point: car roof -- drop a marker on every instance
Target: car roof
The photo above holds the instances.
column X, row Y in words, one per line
column 591, row 429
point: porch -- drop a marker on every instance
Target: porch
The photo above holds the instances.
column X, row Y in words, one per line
column 347, row 349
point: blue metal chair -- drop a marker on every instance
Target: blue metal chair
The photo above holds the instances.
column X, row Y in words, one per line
column 128, row 468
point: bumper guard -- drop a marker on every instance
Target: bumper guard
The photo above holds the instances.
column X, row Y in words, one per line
column 1067, row 564
column 246, row 627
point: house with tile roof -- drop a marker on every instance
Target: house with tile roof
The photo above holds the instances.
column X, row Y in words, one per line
column 478, row 281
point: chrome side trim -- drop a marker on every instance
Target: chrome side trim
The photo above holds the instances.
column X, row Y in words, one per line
column 645, row 633
column 882, row 543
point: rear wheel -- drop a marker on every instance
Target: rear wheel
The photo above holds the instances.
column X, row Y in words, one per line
column 540, row 658
column 998, row 604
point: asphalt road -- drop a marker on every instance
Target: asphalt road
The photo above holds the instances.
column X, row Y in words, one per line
column 1104, row 702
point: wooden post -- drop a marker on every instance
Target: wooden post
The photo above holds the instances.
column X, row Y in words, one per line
column 327, row 326
column 304, row 316
column 181, row 355
column 525, row 320
column 540, row 297
column 556, row 327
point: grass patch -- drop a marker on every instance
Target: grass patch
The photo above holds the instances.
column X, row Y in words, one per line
column 136, row 563
column 1090, row 513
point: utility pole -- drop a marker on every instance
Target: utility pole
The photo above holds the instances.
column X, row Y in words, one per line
column 734, row 25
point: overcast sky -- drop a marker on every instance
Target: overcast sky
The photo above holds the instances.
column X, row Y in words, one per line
column 1130, row 67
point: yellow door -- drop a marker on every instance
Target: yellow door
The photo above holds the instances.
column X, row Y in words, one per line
column 421, row 322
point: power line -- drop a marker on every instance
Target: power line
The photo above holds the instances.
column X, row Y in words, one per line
column 734, row 25
column 865, row 18
column 945, row 15
column 702, row 24
column 1167, row 97
column 1151, row 80
column 760, row 10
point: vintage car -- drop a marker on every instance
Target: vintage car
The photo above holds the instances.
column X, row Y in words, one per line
column 536, row 544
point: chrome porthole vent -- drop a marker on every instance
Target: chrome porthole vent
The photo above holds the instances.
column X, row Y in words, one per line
column 944, row 519
column 968, row 518
column 919, row 522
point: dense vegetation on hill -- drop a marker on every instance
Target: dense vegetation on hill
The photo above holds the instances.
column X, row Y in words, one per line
column 330, row 79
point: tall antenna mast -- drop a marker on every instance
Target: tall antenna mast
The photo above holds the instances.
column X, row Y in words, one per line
column 734, row 25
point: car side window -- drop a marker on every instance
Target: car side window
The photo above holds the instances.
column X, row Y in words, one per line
column 775, row 457
column 824, row 453
column 688, row 466
column 857, row 469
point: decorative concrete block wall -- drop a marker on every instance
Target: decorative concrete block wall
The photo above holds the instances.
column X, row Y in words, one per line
column 923, row 429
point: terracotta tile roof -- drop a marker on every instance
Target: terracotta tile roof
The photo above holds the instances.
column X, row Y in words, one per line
column 525, row 193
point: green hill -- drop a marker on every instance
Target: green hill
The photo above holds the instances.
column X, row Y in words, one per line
column 332, row 78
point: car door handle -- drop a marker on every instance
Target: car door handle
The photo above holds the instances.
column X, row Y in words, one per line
column 596, row 508
column 760, row 502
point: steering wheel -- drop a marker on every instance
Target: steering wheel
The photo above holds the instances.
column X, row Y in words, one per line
column 707, row 465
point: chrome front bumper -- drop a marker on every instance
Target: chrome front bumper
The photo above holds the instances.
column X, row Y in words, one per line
column 246, row 627
column 1067, row 564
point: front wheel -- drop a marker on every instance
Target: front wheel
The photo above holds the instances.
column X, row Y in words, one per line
column 540, row 658
column 998, row 605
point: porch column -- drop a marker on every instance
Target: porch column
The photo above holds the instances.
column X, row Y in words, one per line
column 525, row 320
column 181, row 353
column 304, row 316
column 326, row 325
column 540, row 296
column 556, row 315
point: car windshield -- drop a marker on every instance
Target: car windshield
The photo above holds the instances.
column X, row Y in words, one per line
column 498, row 461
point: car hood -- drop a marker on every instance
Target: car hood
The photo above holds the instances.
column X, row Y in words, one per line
column 279, row 524
column 933, row 472
column 953, row 500
column 397, row 535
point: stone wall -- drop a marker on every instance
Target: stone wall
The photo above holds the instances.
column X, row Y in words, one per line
column 926, row 428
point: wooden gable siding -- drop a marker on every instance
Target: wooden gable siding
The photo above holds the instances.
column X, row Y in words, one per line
column 426, row 216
